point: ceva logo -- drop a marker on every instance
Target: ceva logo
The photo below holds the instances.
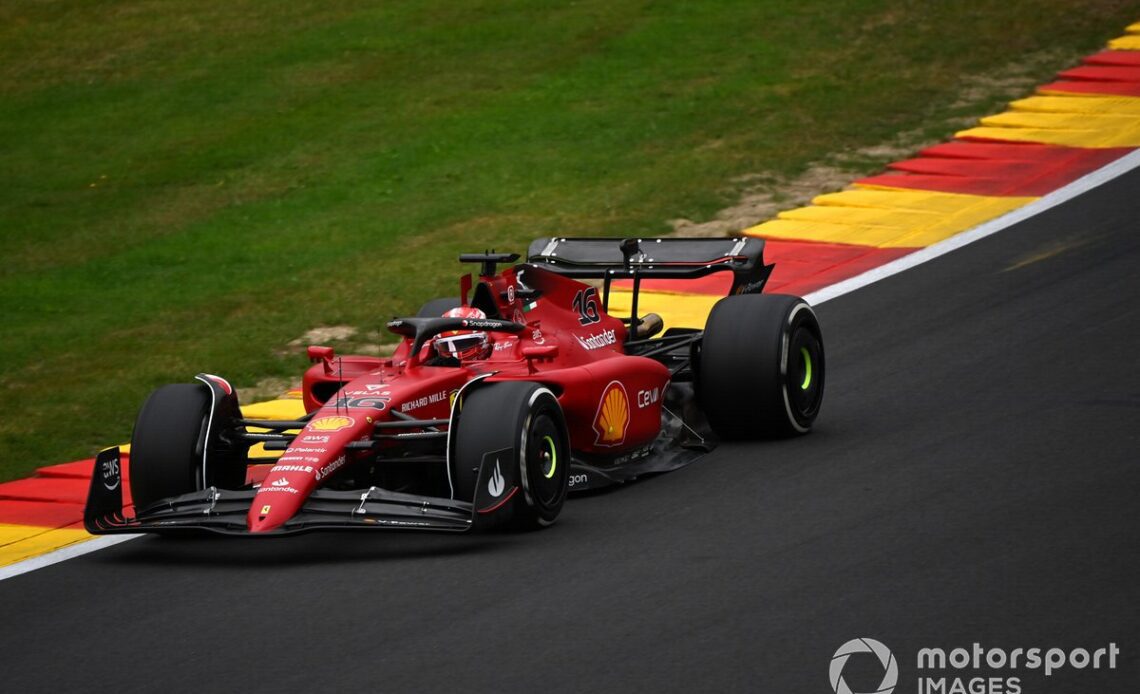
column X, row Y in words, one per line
column 864, row 645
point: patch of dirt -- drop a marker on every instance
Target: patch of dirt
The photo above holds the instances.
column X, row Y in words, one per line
column 763, row 195
column 346, row 339
column 266, row 389
column 374, row 343
column 1015, row 80
column 324, row 333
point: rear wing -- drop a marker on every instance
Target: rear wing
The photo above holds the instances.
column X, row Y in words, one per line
column 655, row 258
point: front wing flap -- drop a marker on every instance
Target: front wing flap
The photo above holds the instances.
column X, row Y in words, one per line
column 225, row 511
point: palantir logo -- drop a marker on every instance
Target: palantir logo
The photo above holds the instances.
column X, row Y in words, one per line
column 864, row 645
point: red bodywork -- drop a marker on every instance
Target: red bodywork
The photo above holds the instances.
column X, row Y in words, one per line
column 611, row 401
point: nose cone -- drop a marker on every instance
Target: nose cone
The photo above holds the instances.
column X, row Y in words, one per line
column 316, row 452
column 262, row 519
column 278, row 499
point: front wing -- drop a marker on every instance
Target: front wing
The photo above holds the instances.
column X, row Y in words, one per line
column 225, row 511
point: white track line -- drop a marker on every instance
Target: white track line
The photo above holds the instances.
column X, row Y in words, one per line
column 1081, row 185
column 63, row 554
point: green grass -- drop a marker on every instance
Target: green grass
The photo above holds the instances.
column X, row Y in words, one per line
column 186, row 187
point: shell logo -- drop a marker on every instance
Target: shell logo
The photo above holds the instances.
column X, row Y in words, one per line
column 612, row 419
column 331, row 423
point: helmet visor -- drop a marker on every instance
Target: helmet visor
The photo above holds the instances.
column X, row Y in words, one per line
column 461, row 346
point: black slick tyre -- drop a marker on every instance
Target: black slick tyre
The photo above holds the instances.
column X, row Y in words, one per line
column 525, row 418
column 437, row 307
column 166, row 446
column 761, row 366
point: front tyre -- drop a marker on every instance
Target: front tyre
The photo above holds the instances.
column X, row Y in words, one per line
column 761, row 366
column 525, row 418
column 166, row 446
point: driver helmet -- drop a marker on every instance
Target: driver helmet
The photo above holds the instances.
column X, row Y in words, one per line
column 463, row 344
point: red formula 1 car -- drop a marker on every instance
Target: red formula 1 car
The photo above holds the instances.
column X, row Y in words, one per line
column 494, row 407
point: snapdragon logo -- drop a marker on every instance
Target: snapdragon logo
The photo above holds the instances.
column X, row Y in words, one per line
column 864, row 645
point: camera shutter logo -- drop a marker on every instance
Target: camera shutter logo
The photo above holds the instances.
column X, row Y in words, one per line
column 864, row 645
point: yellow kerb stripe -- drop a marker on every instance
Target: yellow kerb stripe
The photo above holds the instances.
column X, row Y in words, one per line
column 1130, row 42
column 20, row 542
column 1068, row 129
column 886, row 217
column 1125, row 43
column 1124, row 106
column 677, row 310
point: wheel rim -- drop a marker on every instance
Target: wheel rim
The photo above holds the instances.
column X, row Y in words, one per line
column 548, row 457
column 805, row 373
column 543, row 465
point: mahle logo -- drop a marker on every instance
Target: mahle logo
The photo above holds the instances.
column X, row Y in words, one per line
column 864, row 645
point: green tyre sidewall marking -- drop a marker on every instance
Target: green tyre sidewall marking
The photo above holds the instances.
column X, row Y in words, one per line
column 548, row 444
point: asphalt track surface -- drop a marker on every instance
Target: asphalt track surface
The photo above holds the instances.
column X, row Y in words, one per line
column 974, row 477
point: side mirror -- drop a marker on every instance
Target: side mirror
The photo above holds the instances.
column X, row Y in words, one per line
column 317, row 354
column 538, row 352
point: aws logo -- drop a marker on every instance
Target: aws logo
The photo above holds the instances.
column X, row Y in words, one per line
column 612, row 419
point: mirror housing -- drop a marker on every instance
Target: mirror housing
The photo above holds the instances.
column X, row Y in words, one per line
column 318, row 353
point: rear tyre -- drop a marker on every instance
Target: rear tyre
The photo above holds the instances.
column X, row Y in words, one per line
column 761, row 366
column 166, row 447
column 526, row 418
column 437, row 307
